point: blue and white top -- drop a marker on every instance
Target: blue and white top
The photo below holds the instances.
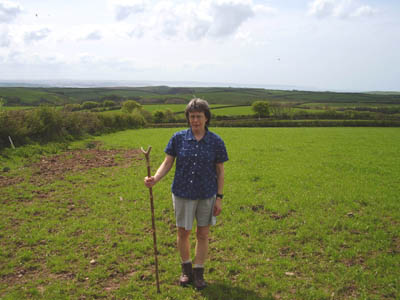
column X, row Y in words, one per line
column 195, row 173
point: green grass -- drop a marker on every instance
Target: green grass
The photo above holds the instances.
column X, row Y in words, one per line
column 173, row 107
column 346, row 105
column 17, row 107
column 308, row 213
column 32, row 95
column 233, row 111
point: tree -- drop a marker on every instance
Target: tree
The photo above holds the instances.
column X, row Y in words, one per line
column 169, row 115
column 108, row 103
column 72, row 107
column 281, row 110
column 261, row 108
column 158, row 116
column 130, row 105
column 89, row 105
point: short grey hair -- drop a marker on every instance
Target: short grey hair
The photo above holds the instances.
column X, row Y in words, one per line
column 198, row 105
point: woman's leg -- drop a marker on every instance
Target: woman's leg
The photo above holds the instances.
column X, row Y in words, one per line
column 201, row 245
column 201, row 256
column 183, row 243
column 184, row 251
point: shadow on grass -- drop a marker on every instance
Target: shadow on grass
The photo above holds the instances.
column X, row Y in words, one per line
column 225, row 291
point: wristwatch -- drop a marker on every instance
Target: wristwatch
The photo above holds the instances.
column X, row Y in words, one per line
column 220, row 196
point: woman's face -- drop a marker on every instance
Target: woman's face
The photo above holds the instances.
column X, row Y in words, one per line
column 197, row 120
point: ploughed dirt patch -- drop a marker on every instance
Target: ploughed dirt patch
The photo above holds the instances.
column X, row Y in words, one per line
column 55, row 167
column 51, row 168
column 6, row 181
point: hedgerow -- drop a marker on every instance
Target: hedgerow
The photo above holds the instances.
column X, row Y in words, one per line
column 47, row 124
column 306, row 123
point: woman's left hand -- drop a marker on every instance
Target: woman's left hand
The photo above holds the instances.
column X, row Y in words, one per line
column 217, row 207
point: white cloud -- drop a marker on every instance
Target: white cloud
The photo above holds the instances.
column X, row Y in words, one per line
column 264, row 10
column 193, row 20
column 5, row 39
column 36, row 35
column 228, row 16
column 9, row 11
column 85, row 64
column 17, row 57
column 86, row 32
column 197, row 29
column 322, row 8
column 93, row 36
column 364, row 11
column 136, row 32
column 339, row 9
column 124, row 8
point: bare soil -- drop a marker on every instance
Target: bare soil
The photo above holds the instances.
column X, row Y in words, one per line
column 51, row 168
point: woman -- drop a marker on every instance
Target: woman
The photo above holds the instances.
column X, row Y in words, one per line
column 197, row 189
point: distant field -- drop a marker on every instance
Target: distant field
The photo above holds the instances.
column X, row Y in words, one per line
column 32, row 95
column 299, row 109
column 346, row 105
column 173, row 107
column 308, row 213
column 233, row 111
column 17, row 107
column 161, row 94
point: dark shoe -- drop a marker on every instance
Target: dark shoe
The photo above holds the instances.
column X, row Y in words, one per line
column 198, row 277
column 187, row 274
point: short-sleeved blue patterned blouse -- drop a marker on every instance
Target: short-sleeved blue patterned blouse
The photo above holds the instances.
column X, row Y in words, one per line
column 195, row 173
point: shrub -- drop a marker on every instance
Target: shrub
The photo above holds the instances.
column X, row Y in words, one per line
column 48, row 124
column 147, row 115
column 261, row 108
column 89, row 104
column 169, row 116
column 13, row 124
column 158, row 116
column 72, row 107
column 136, row 119
column 45, row 124
column 108, row 103
column 130, row 105
column 281, row 110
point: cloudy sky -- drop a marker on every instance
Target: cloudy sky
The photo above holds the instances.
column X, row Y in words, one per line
column 326, row 44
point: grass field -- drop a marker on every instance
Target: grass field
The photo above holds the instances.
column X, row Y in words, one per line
column 17, row 107
column 214, row 95
column 233, row 111
column 173, row 107
column 308, row 213
column 346, row 105
column 181, row 108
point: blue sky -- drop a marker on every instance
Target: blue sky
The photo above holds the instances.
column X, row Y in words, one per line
column 325, row 44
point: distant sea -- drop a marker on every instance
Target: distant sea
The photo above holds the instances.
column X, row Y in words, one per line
column 67, row 83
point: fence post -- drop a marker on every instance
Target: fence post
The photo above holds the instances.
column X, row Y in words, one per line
column 11, row 142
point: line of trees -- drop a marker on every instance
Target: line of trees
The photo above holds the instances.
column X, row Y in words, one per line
column 93, row 106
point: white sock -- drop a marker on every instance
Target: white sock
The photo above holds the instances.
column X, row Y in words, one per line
column 186, row 262
column 198, row 266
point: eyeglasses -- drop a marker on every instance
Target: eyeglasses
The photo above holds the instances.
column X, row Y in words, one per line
column 196, row 117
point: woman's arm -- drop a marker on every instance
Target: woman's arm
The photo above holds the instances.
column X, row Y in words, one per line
column 161, row 172
column 220, row 182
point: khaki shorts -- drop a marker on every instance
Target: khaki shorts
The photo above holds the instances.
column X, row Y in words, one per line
column 186, row 210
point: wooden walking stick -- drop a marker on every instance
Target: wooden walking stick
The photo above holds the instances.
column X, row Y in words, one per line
column 147, row 155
